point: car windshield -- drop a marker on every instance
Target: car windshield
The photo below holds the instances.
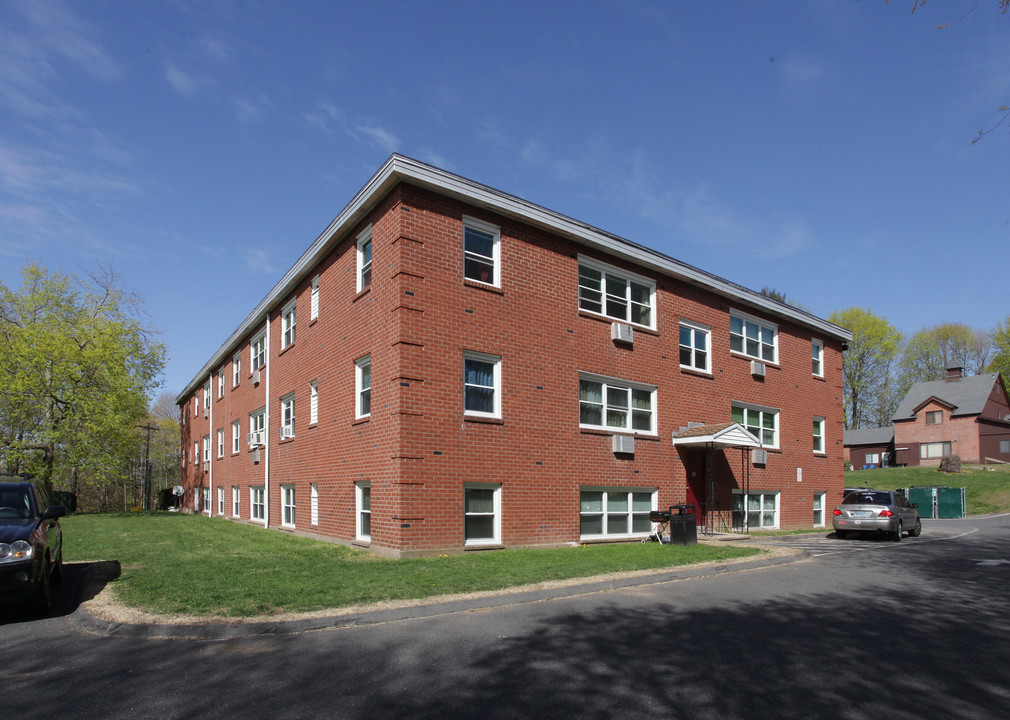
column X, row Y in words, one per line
column 868, row 498
column 14, row 504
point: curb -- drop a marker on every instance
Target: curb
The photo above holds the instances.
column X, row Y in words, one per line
column 87, row 622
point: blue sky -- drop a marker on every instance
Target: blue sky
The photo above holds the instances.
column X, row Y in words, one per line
column 821, row 148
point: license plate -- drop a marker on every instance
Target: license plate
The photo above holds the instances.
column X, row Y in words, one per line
column 860, row 513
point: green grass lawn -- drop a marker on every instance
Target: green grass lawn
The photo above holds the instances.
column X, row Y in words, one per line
column 986, row 491
column 176, row 563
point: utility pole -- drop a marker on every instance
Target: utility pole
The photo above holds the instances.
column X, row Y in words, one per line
column 147, row 465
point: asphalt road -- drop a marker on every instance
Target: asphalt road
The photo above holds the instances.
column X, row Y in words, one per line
column 917, row 629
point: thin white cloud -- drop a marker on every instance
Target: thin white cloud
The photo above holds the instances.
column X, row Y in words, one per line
column 802, row 72
column 216, row 49
column 260, row 261
column 379, row 137
column 324, row 117
column 181, row 81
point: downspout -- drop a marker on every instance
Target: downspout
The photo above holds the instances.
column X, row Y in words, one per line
column 213, row 438
column 266, row 433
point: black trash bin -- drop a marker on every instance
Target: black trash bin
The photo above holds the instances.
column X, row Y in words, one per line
column 683, row 525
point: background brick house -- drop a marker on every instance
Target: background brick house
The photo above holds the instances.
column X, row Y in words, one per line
column 450, row 367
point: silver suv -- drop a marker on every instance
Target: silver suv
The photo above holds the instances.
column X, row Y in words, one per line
column 877, row 511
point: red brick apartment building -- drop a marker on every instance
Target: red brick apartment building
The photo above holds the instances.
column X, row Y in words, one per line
column 449, row 367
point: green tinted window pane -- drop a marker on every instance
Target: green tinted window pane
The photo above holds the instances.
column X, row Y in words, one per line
column 479, row 527
column 641, row 314
column 769, row 502
column 590, row 278
column 366, row 498
column 768, row 353
column 591, row 501
column 366, row 523
column 738, row 415
column 617, row 502
column 591, row 525
column 617, row 418
column 590, row 391
column 641, row 399
column 480, row 501
column 641, row 502
column 641, row 293
column 617, row 397
column 768, row 420
column 591, row 414
column 753, row 503
column 617, row 286
column 641, row 420
column 640, row 524
column 617, row 524
column 736, row 326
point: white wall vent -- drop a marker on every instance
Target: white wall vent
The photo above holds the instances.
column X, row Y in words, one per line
column 760, row 457
column 757, row 369
column 256, row 455
column 623, row 444
column 256, row 376
column 622, row 333
column 206, row 412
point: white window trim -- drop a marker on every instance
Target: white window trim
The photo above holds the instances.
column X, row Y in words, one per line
column 289, row 322
column 746, row 318
column 364, row 237
column 817, row 344
column 823, row 497
column 763, row 409
column 359, row 487
column 254, row 352
column 289, row 516
column 778, row 507
column 496, row 540
column 236, row 370
column 359, row 365
column 220, row 383
column 654, row 492
column 236, row 436
column 618, row 383
column 206, row 448
column 496, row 361
column 824, row 440
column 220, row 442
column 313, row 403
column 287, row 423
column 314, row 299
column 606, row 269
column 253, row 489
column 314, row 503
column 257, row 424
column 236, row 501
column 707, row 331
column 220, row 500
column 495, row 232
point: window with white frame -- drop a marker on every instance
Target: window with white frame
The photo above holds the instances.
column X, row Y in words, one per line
column 363, row 387
column 364, row 254
column 762, row 422
column 288, row 325
column 481, row 514
column 206, row 395
column 288, row 416
column 752, row 337
column 258, row 352
column 314, row 299
column 616, row 293
column 929, row 451
column 313, row 402
column 363, row 511
column 206, row 501
column 220, row 383
column 615, row 512
column 236, row 369
column 257, row 503
column 236, row 435
column 236, row 501
column 819, row 509
column 196, row 405
column 481, row 385
column 819, row 446
column 206, row 448
column 314, row 503
column 481, row 252
column 817, row 355
column 220, row 501
column 196, row 451
column 872, row 458
column 257, row 427
column 288, row 505
column 762, row 509
column 220, row 442
column 196, row 499
column 695, row 340
column 608, row 404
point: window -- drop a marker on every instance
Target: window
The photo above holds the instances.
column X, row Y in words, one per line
column 761, row 422
column 694, row 344
column 363, row 511
column 206, row 501
column 364, row 254
column 206, row 395
column 314, row 503
column 220, row 501
column 314, row 299
column 615, row 512
column 616, row 405
column 257, row 435
column 762, row 509
column 928, row 451
column 817, row 353
column 313, row 403
column 872, row 458
column 753, row 338
column 481, row 385
column 196, row 451
column 258, row 352
column 288, row 505
column 481, row 249
column 236, row 501
column 206, row 448
column 1004, row 447
column 257, row 504
column 363, row 387
column 220, row 442
column 236, row 369
column 615, row 293
column 196, row 406
column 482, row 514
column 288, row 416
column 196, row 500
column 220, row 383
column 819, row 435
column 236, row 433
column 288, row 325
column 819, row 509
column 934, row 417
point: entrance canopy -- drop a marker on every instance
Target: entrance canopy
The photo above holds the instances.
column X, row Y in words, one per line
column 718, row 436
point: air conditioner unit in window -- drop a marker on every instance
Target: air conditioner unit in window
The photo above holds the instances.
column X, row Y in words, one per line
column 760, row 457
column 256, row 376
column 622, row 333
column 256, row 455
column 623, row 444
column 206, row 412
column 757, row 369
column 256, row 438
column 206, row 466
column 287, row 431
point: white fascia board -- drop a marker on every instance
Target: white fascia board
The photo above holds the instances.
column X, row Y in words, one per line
column 399, row 168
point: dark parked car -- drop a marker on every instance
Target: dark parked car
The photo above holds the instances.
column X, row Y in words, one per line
column 877, row 511
column 31, row 545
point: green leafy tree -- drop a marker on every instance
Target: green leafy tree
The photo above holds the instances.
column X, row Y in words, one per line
column 868, row 364
column 1000, row 337
column 75, row 373
column 930, row 351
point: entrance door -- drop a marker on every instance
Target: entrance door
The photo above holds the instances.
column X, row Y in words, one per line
column 697, row 485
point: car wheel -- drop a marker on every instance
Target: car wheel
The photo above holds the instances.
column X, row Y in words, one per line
column 917, row 530
column 897, row 536
column 840, row 534
column 58, row 568
column 42, row 602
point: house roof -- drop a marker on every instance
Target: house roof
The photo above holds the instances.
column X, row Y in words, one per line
column 721, row 435
column 868, row 436
column 966, row 396
column 399, row 169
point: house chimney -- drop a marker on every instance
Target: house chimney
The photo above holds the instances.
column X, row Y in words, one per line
column 954, row 373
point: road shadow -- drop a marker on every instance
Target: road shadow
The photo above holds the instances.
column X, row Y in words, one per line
column 82, row 581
